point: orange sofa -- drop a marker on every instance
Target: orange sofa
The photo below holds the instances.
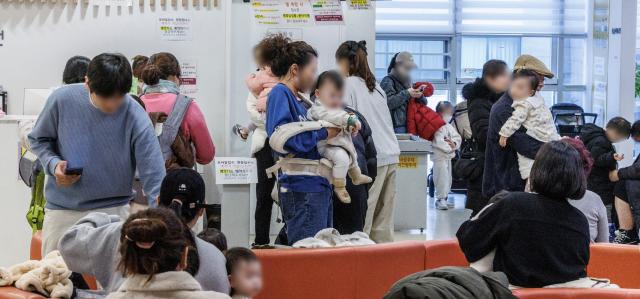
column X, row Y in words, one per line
column 368, row 272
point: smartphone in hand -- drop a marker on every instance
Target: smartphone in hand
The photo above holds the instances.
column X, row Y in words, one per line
column 73, row 171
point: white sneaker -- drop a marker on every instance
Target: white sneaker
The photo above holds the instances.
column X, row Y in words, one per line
column 441, row 204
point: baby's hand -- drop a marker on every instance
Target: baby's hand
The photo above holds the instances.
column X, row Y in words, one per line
column 356, row 128
column 503, row 141
column 618, row 157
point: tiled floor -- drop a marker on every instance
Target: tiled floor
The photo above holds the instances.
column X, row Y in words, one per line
column 440, row 224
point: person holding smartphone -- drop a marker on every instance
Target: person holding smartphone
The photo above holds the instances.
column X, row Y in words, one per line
column 397, row 86
column 90, row 138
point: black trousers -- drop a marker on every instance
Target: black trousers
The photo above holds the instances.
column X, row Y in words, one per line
column 475, row 200
column 264, row 202
column 349, row 218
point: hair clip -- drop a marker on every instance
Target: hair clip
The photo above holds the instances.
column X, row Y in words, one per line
column 142, row 245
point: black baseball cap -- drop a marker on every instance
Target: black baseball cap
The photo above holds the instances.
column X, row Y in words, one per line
column 186, row 185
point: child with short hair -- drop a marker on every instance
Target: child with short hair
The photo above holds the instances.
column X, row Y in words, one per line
column 530, row 111
column 340, row 149
column 215, row 237
column 154, row 255
column 446, row 141
column 245, row 273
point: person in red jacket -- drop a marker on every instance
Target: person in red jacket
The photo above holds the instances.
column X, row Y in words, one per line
column 421, row 120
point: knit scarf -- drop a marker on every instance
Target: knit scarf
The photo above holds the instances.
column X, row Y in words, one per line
column 164, row 86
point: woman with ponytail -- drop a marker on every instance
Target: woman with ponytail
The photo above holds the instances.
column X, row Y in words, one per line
column 91, row 245
column 305, row 197
column 154, row 259
column 161, row 77
column 365, row 95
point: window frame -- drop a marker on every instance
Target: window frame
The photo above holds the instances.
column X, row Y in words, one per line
column 454, row 81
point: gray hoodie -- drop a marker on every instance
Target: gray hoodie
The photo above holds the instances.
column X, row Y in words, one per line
column 91, row 246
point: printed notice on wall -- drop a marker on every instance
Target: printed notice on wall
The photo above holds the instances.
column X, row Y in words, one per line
column 359, row 4
column 297, row 12
column 283, row 12
column 294, row 34
column 175, row 28
column 188, row 78
column 267, row 12
column 327, row 12
column 234, row 170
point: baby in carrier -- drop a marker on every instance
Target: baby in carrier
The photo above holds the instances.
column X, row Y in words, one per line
column 529, row 111
column 340, row 149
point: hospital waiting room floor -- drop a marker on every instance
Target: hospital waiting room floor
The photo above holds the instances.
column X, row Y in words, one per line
column 440, row 224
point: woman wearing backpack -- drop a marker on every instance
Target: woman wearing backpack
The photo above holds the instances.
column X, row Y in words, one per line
column 480, row 96
column 161, row 76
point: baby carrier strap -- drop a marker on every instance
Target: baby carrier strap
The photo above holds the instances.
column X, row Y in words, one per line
column 171, row 126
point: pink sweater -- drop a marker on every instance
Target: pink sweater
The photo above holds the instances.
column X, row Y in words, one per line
column 259, row 84
column 193, row 126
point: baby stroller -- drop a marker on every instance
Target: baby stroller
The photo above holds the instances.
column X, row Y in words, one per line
column 569, row 118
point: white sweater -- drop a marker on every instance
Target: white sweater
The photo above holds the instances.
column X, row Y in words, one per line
column 373, row 106
column 167, row 285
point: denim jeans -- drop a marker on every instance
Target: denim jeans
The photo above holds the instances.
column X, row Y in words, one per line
column 306, row 213
column 400, row 130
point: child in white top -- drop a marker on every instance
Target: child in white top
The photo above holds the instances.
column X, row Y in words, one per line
column 445, row 142
column 529, row 111
column 340, row 149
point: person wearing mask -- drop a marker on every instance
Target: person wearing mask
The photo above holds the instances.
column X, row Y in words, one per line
column 501, row 169
column 397, row 86
column 305, row 198
column 75, row 71
column 590, row 205
column 91, row 244
column 365, row 95
column 480, row 96
column 90, row 139
column 154, row 258
column 627, row 197
column 349, row 217
column 538, row 238
column 161, row 76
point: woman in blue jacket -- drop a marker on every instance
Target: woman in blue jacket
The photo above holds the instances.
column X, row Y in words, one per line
column 305, row 199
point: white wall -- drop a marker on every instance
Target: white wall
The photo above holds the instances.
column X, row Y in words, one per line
column 40, row 37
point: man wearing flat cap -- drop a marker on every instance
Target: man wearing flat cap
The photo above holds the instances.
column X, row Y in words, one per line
column 501, row 164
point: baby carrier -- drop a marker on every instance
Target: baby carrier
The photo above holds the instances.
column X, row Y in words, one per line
column 176, row 148
column 569, row 118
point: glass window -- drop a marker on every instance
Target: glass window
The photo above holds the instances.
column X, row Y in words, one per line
column 473, row 54
column 549, row 97
column 438, row 96
column 430, row 55
column 574, row 97
column 575, row 55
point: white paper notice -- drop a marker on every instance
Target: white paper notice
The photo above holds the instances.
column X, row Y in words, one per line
column 598, row 66
column 327, row 12
column 188, row 78
column 297, row 12
column 234, row 170
column 600, row 90
column 267, row 12
column 175, row 28
column 294, row 34
column 360, row 4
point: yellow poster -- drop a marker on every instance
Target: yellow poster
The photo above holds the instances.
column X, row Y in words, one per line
column 408, row 162
column 360, row 4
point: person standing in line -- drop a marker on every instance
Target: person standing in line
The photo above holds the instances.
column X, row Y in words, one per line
column 397, row 86
column 90, row 139
column 365, row 95
column 501, row 169
column 480, row 96
column 75, row 71
column 305, row 197
column 161, row 77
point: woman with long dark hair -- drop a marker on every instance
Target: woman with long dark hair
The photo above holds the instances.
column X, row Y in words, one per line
column 480, row 96
column 365, row 95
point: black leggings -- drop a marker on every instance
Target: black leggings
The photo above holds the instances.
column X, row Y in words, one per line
column 264, row 202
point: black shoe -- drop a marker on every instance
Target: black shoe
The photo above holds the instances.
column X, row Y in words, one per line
column 629, row 237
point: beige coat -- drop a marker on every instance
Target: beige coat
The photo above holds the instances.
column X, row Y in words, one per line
column 168, row 285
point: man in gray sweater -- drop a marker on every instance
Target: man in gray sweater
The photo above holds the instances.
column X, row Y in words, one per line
column 91, row 138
